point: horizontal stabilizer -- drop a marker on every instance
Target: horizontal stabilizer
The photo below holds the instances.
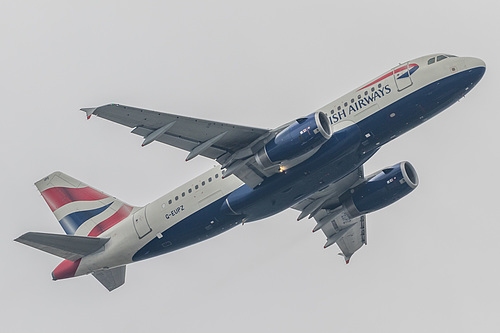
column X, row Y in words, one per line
column 111, row 278
column 64, row 246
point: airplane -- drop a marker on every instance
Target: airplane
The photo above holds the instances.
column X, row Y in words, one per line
column 313, row 164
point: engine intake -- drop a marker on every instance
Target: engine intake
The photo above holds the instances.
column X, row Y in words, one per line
column 387, row 187
column 304, row 135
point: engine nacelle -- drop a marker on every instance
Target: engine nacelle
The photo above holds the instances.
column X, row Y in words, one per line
column 304, row 135
column 387, row 187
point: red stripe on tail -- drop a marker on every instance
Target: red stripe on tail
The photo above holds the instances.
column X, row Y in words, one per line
column 120, row 214
column 56, row 197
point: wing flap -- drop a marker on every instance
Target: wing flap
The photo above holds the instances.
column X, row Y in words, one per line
column 354, row 239
column 337, row 225
column 65, row 246
column 180, row 142
column 350, row 236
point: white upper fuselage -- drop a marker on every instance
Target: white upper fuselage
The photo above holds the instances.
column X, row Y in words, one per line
column 388, row 88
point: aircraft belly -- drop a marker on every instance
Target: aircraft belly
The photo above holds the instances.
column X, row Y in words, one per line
column 210, row 221
column 199, row 226
column 291, row 192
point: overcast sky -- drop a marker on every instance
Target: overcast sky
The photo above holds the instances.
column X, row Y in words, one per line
column 432, row 260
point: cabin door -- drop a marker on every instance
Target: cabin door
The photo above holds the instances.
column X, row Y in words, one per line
column 402, row 76
column 141, row 223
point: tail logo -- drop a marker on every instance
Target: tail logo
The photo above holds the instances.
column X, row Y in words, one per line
column 74, row 207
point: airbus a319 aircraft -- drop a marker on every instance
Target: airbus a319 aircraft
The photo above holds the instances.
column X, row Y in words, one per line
column 313, row 164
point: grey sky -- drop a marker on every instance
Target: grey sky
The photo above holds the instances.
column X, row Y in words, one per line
column 431, row 264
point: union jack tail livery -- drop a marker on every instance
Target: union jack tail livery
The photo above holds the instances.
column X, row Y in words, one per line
column 84, row 213
column 80, row 209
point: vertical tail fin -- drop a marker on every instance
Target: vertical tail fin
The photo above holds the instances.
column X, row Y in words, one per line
column 79, row 208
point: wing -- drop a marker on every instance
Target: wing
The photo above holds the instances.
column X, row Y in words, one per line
column 324, row 206
column 231, row 145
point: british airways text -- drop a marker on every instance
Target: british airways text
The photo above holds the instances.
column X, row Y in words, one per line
column 359, row 104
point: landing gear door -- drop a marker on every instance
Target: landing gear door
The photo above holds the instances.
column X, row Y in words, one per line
column 402, row 76
column 141, row 224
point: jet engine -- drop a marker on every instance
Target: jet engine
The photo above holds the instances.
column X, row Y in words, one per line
column 302, row 136
column 385, row 188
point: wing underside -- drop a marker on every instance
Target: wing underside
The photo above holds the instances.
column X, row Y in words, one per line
column 233, row 146
column 324, row 206
column 184, row 132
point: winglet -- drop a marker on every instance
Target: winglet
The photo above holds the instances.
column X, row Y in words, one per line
column 88, row 111
column 346, row 258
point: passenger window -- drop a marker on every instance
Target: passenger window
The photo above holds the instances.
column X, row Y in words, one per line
column 431, row 61
column 176, row 198
column 169, row 202
column 209, row 179
column 190, row 190
column 196, row 187
column 203, row 183
column 216, row 175
column 441, row 57
column 183, row 194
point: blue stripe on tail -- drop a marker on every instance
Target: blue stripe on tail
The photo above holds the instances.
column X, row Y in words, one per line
column 73, row 221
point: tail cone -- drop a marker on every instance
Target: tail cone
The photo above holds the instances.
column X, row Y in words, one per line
column 65, row 270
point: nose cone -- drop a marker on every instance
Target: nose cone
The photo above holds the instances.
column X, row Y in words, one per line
column 475, row 69
column 472, row 63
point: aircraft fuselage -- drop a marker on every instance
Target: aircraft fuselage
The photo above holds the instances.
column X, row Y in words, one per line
column 361, row 122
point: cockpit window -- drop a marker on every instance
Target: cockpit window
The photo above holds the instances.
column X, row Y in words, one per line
column 439, row 58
